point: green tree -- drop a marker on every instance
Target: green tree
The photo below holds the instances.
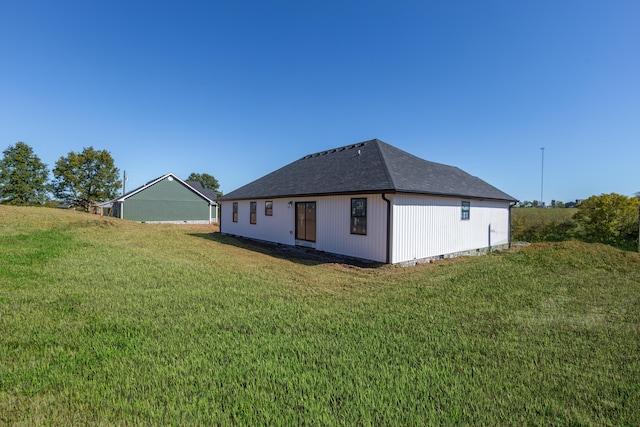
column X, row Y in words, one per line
column 23, row 176
column 85, row 178
column 207, row 181
column 608, row 218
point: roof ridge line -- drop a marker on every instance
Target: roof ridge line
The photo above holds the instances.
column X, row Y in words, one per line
column 385, row 164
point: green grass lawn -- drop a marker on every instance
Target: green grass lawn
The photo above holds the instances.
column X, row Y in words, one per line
column 110, row 322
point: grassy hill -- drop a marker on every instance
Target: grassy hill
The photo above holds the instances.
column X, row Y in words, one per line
column 109, row 322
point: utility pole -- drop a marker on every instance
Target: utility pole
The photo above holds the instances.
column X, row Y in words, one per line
column 542, row 179
column 124, row 183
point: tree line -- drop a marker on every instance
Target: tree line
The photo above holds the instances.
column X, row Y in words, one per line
column 80, row 179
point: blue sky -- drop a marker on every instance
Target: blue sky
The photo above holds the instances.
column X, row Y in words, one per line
column 240, row 88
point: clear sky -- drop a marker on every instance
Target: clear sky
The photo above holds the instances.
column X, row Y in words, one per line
column 237, row 89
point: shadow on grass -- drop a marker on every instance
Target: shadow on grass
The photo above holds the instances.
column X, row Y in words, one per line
column 297, row 254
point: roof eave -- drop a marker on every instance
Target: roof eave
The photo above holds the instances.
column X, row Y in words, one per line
column 285, row 196
column 376, row 191
column 459, row 195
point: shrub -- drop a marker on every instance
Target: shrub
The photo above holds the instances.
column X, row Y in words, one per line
column 609, row 218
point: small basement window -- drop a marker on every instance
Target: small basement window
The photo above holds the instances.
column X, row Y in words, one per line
column 235, row 211
column 359, row 216
column 253, row 208
column 466, row 211
column 268, row 208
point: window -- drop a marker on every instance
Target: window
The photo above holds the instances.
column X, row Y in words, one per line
column 268, row 208
column 466, row 210
column 253, row 207
column 359, row 216
column 235, row 211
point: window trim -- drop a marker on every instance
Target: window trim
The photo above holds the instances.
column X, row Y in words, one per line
column 235, row 212
column 465, row 210
column 253, row 212
column 268, row 208
column 357, row 225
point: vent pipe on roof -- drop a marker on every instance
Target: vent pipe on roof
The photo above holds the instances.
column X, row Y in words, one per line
column 358, row 152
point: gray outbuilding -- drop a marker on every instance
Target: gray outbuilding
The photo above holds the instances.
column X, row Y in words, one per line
column 167, row 199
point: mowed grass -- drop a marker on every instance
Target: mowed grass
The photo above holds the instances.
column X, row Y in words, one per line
column 108, row 322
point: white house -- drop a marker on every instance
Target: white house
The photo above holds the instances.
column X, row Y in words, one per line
column 371, row 201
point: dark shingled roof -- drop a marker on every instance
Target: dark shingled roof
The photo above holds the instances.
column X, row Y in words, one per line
column 367, row 167
column 196, row 185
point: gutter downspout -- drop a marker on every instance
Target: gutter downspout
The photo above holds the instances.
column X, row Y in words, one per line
column 511, row 205
column 389, row 227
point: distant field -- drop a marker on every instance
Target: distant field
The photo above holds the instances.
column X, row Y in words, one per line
column 541, row 225
column 109, row 322
column 536, row 213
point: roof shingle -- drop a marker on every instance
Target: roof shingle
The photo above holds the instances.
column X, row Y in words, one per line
column 367, row 167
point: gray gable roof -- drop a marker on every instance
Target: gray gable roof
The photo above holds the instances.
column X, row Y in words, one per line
column 210, row 194
column 196, row 187
column 367, row 167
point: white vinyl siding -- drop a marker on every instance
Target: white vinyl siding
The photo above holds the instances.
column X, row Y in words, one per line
column 422, row 226
column 425, row 227
column 333, row 221
column 278, row 228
